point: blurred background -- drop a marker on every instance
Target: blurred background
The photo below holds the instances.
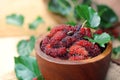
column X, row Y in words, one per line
column 20, row 19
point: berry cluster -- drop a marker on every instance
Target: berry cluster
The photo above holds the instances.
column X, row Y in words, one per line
column 67, row 42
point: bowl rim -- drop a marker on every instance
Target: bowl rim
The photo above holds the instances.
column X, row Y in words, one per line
column 41, row 54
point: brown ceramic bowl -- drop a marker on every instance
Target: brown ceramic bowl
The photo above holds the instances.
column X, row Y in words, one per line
column 89, row 69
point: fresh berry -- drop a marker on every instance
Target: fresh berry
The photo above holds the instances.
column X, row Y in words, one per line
column 76, row 49
column 44, row 43
column 82, row 31
column 34, row 79
column 57, row 37
column 78, row 27
column 77, row 57
column 61, row 28
column 116, row 32
column 67, row 41
column 54, row 52
column 99, row 31
column 55, row 29
column 93, row 49
column 78, row 35
column 88, row 32
column 85, row 32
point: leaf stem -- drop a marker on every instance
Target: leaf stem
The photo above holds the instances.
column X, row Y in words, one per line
column 84, row 23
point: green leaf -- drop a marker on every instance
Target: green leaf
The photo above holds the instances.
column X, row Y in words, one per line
column 40, row 77
column 108, row 16
column 112, row 37
column 119, row 37
column 87, row 13
column 87, row 2
column 71, row 23
column 91, row 40
column 102, row 39
column 116, row 52
column 61, row 7
column 26, row 68
column 36, row 23
column 49, row 28
column 15, row 19
column 105, row 25
column 25, row 47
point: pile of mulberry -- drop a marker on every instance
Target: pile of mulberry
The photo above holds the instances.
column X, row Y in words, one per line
column 69, row 42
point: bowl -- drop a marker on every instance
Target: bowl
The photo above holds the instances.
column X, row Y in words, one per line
column 89, row 69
